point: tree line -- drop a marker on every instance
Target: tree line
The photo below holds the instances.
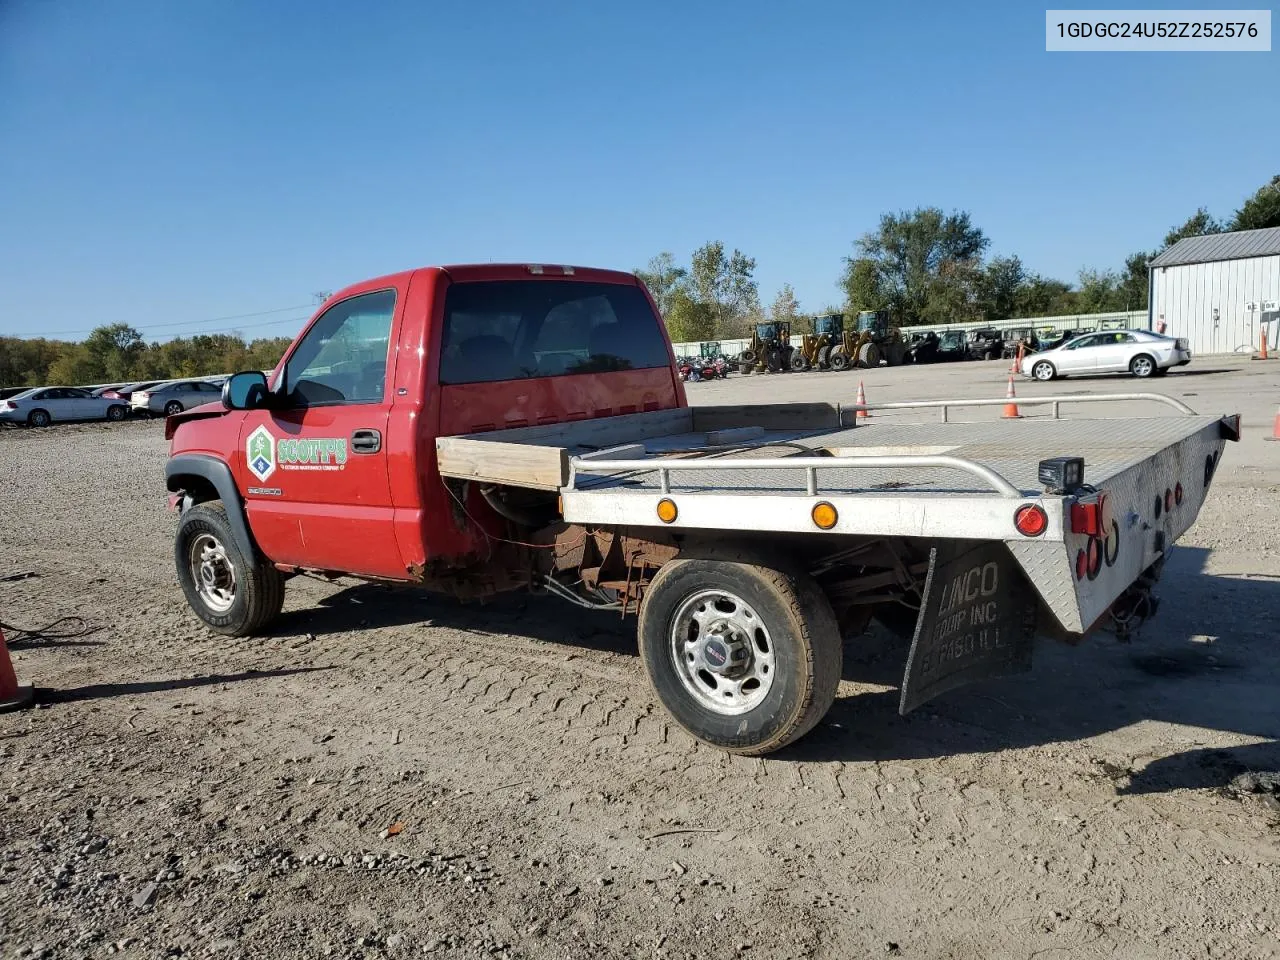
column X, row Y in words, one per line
column 119, row 354
column 924, row 266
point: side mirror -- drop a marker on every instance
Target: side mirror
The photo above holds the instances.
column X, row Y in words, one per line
column 245, row 391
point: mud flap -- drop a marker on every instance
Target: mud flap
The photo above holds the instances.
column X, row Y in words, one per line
column 977, row 621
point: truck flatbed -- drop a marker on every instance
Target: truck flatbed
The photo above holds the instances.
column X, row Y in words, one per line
column 764, row 469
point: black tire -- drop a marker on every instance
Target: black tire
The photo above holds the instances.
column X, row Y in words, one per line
column 258, row 594
column 869, row 355
column 1143, row 366
column 116, row 413
column 824, row 357
column 798, row 362
column 1039, row 368
column 803, row 638
column 839, row 360
column 39, row 418
column 773, row 360
column 172, row 407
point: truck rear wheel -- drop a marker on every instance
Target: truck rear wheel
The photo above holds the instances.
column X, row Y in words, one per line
column 869, row 355
column 229, row 593
column 744, row 657
column 839, row 360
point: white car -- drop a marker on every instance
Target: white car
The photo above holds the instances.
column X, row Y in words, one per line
column 40, row 406
column 1137, row 352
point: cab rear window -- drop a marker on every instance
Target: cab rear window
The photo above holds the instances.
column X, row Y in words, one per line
column 523, row 329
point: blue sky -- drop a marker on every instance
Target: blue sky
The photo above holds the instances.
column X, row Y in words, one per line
column 167, row 163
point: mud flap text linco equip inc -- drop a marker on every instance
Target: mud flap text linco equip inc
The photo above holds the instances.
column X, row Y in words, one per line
column 976, row 622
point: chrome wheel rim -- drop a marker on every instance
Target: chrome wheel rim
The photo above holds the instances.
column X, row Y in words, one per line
column 1142, row 367
column 172, row 409
column 1043, row 371
column 722, row 652
column 212, row 573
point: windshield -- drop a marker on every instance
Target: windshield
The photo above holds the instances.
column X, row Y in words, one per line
column 523, row 329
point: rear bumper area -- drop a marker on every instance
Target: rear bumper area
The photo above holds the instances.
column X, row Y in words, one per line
column 1149, row 506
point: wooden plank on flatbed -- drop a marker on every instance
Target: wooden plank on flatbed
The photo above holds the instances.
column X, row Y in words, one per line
column 530, row 465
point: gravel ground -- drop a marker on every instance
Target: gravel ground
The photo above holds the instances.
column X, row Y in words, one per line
column 393, row 774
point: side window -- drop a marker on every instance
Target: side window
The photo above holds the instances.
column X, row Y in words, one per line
column 1084, row 342
column 343, row 357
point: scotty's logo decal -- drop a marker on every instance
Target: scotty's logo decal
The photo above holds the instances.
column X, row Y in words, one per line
column 264, row 453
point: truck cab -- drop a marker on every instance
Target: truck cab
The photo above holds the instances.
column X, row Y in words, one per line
column 333, row 457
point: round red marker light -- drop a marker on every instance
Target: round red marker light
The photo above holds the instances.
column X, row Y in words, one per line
column 1082, row 565
column 1031, row 520
column 1168, row 500
column 1177, row 494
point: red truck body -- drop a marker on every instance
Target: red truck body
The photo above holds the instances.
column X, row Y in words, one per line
column 387, row 513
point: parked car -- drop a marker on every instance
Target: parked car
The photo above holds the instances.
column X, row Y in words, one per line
column 175, row 396
column 40, row 406
column 984, row 344
column 124, row 391
column 1139, row 352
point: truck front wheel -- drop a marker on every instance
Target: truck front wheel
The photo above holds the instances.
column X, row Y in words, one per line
column 744, row 657
column 229, row 593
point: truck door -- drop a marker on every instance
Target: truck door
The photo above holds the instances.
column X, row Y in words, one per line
column 313, row 467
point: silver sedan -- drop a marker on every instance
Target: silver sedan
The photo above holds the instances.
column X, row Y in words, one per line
column 175, row 396
column 1137, row 352
column 40, row 406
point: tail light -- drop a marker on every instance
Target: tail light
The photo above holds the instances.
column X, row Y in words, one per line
column 1177, row 494
column 1031, row 520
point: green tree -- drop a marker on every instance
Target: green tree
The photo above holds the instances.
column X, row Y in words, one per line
column 1261, row 210
column 998, row 286
column 861, row 284
column 1099, row 292
column 785, row 306
column 725, row 284
column 689, row 319
column 663, row 277
column 924, row 254
column 1042, row 297
column 74, row 367
column 114, row 351
column 1198, row 224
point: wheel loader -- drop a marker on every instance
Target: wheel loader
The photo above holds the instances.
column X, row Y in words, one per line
column 815, row 348
column 770, row 351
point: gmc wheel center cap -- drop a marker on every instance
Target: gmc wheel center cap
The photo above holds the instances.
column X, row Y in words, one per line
column 724, row 653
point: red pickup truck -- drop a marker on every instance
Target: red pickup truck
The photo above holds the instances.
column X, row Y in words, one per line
column 478, row 429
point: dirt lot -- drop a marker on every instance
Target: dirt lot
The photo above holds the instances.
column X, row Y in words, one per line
column 178, row 793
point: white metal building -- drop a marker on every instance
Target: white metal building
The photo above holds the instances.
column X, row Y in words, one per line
column 1220, row 291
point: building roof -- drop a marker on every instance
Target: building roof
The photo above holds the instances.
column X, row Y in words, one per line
column 1221, row 246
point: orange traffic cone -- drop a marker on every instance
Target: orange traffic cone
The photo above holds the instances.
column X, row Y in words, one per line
column 1275, row 431
column 861, row 401
column 12, row 696
column 1011, row 408
column 1017, row 359
column 1262, row 355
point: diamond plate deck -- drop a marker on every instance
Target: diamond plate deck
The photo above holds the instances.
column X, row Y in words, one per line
column 1013, row 448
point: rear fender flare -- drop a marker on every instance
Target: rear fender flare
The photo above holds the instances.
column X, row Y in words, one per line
column 218, row 475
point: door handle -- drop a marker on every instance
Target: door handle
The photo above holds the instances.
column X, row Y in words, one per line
column 366, row 441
